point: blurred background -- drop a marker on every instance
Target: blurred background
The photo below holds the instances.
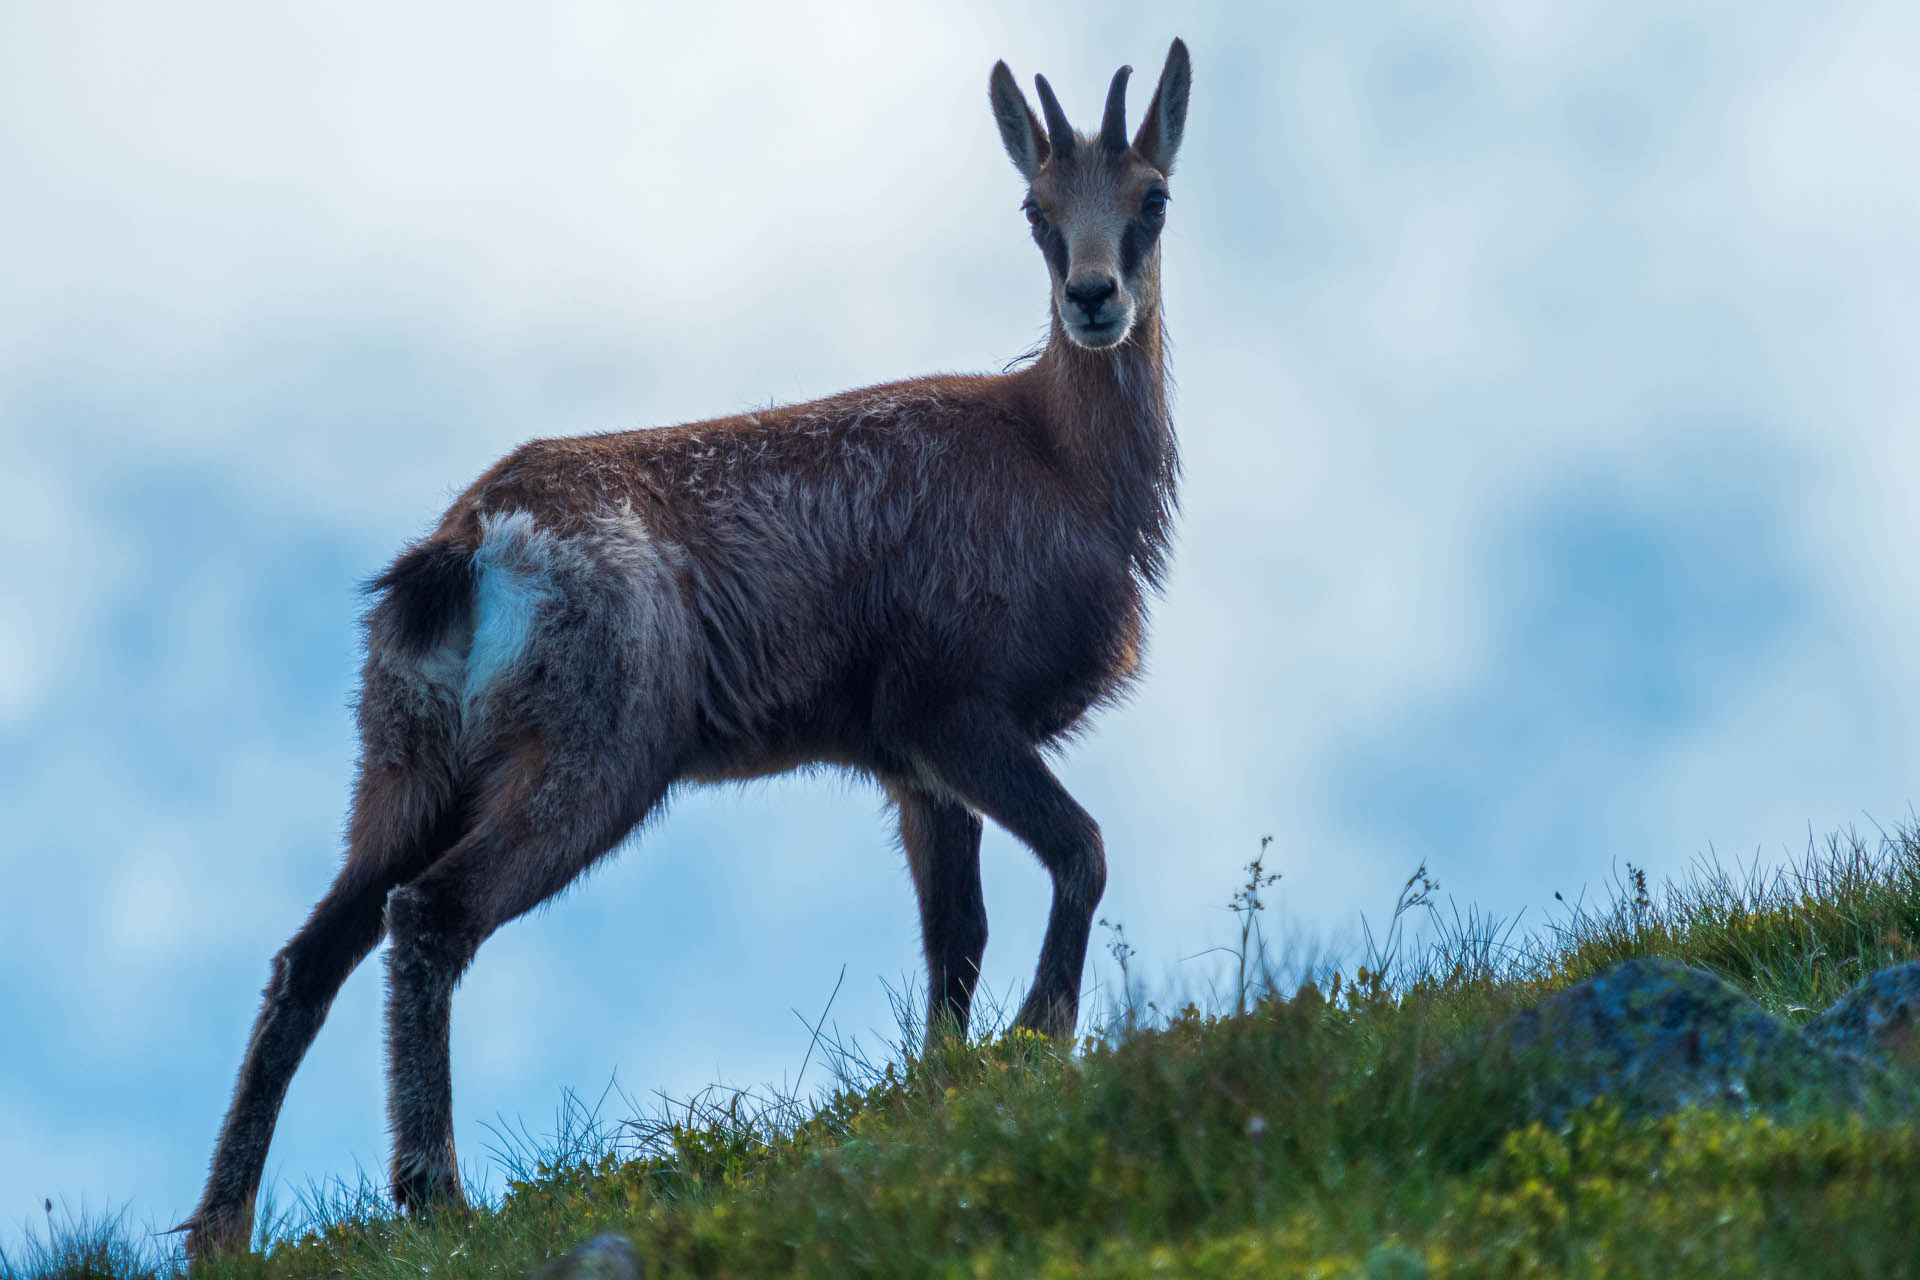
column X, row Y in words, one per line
column 1546, row 385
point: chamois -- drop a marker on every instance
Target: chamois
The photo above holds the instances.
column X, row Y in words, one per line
column 929, row 582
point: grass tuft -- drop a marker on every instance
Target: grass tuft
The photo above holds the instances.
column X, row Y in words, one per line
column 1796, row 938
column 84, row 1246
column 1287, row 1127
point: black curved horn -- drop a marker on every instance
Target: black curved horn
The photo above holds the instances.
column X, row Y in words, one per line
column 1059, row 132
column 1113, row 126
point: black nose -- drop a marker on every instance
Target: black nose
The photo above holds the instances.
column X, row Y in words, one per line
column 1090, row 295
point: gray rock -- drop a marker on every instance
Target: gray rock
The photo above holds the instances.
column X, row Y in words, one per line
column 1878, row 1019
column 1655, row 1035
column 605, row 1257
column 1394, row 1262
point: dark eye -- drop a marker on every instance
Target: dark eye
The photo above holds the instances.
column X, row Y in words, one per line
column 1154, row 207
column 1036, row 219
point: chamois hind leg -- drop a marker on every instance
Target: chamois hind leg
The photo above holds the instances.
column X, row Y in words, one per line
column 542, row 823
column 942, row 840
column 403, row 818
column 983, row 757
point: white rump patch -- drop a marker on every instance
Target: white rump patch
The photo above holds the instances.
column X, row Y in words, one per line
column 512, row 580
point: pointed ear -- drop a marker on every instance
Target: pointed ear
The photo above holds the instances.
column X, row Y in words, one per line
column 1020, row 129
column 1166, row 118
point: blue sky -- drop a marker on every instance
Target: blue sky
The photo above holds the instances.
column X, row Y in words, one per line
column 1545, row 381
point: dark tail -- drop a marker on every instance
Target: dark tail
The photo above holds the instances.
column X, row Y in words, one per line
column 428, row 591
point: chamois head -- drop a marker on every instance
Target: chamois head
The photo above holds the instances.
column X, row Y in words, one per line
column 1096, row 202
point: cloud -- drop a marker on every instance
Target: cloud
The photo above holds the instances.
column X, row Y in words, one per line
column 1542, row 390
column 1631, row 624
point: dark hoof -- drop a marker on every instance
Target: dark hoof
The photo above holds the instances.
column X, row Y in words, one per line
column 1052, row 1018
column 212, row 1234
column 423, row 1193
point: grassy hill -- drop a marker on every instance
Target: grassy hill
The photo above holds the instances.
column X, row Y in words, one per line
column 1292, row 1132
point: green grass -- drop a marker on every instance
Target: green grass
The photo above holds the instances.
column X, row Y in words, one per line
column 1283, row 1130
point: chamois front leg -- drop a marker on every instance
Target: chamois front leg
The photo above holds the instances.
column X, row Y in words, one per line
column 942, row 840
column 983, row 757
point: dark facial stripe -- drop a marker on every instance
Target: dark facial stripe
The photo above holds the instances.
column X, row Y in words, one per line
column 1135, row 245
column 1054, row 246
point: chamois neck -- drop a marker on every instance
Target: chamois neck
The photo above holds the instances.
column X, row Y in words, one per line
column 1098, row 401
column 1108, row 415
